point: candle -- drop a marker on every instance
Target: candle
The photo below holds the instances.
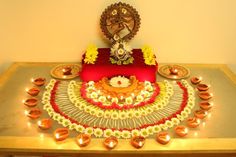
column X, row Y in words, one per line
column 31, row 102
column 205, row 105
column 137, row 141
column 45, row 124
column 202, row 87
column 201, row 114
column 110, row 142
column 61, row 134
column 34, row 113
column 205, row 95
column 181, row 130
column 39, row 81
column 196, row 80
column 163, row 138
column 193, row 122
column 33, row 91
column 83, row 140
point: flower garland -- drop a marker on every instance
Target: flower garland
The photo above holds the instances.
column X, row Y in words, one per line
column 91, row 54
column 148, row 56
column 54, row 112
column 116, row 112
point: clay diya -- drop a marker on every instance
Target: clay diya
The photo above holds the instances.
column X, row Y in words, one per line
column 61, row 134
column 33, row 91
column 193, row 122
column 202, row 87
column 110, row 142
column 137, row 141
column 205, row 105
column 45, row 124
column 39, row 81
column 181, row 130
column 163, row 138
column 31, row 102
column 34, row 113
column 201, row 114
column 196, row 80
column 173, row 70
column 67, row 71
column 205, row 95
column 83, row 140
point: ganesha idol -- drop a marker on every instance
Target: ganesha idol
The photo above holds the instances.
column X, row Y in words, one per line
column 119, row 22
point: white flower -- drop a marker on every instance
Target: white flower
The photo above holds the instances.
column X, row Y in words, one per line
column 107, row 114
column 139, row 98
column 72, row 126
column 144, row 132
column 156, row 128
column 122, row 115
column 102, row 99
column 108, row 133
column 98, row 132
column 114, row 115
column 99, row 113
column 135, row 132
column 149, row 88
column 119, row 81
column 137, row 114
column 66, row 122
column 175, row 121
column 163, row 126
column 94, row 95
column 90, row 83
column 115, row 100
column 125, row 134
column 169, row 124
column 117, row 133
column 129, row 100
column 89, row 130
column 150, row 130
column 79, row 128
column 130, row 113
column 147, row 83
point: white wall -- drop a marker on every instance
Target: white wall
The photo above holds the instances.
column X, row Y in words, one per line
column 184, row 31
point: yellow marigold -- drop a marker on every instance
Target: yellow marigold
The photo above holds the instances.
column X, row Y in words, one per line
column 149, row 57
column 91, row 54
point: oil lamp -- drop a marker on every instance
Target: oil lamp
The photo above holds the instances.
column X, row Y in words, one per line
column 205, row 105
column 205, row 95
column 31, row 102
column 33, row 91
column 201, row 114
column 83, row 140
column 196, row 80
column 181, row 130
column 202, row 87
column 163, row 138
column 45, row 124
column 137, row 141
column 61, row 134
column 39, row 81
column 110, row 142
column 34, row 113
column 193, row 122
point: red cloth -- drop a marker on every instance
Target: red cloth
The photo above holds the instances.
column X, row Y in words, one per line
column 104, row 68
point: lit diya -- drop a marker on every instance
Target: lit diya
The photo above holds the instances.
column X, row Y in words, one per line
column 137, row 141
column 61, row 134
column 196, row 80
column 45, row 124
column 33, row 91
column 202, row 87
column 83, row 140
column 205, row 95
column 67, row 71
column 163, row 138
column 181, row 130
column 39, row 81
column 201, row 114
column 31, row 102
column 110, row 142
column 205, row 105
column 34, row 113
column 173, row 70
column 193, row 122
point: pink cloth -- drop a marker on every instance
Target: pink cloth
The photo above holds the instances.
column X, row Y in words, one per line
column 104, row 68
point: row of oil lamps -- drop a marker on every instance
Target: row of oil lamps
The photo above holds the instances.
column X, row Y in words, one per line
column 83, row 140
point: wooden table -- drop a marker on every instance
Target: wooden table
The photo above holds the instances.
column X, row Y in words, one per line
column 20, row 136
